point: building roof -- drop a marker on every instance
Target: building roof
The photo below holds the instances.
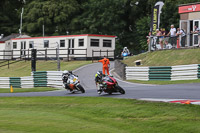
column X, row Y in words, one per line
column 94, row 35
column 189, row 4
column 9, row 37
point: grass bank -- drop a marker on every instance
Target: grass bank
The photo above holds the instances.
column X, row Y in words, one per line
column 166, row 58
column 23, row 68
column 165, row 82
column 95, row 115
column 36, row 89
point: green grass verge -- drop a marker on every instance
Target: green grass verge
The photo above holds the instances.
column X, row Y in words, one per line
column 166, row 58
column 165, row 82
column 95, row 115
column 23, row 68
column 36, row 89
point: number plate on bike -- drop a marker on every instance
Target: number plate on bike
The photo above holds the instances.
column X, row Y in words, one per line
column 74, row 79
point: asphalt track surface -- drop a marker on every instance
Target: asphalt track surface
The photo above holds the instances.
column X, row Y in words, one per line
column 134, row 91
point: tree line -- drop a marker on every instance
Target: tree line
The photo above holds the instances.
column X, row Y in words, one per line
column 129, row 20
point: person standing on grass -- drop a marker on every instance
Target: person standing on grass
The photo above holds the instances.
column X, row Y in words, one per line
column 106, row 65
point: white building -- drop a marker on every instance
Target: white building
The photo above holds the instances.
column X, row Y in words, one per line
column 190, row 17
column 69, row 45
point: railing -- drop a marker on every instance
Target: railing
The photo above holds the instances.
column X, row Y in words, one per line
column 101, row 53
column 8, row 63
column 167, row 42
column 44, row 54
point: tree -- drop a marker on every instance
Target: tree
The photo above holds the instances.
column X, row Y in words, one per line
column 9, row 16
column 55, row 15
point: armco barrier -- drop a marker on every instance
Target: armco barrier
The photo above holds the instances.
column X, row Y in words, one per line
column 185, row 72
column 38, row 79
column 137, row 73
column 160, row 73
column 4, row 82
column 198, row 71
column 180, row 72
column 15, row 82
column 54, row 78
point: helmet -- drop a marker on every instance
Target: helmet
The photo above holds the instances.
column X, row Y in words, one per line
column 70, row 72
column 99, row 73
column 65, row 72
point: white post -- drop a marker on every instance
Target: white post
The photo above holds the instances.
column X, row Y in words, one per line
column 58, row 59
column 43, row 30
column 20, row 30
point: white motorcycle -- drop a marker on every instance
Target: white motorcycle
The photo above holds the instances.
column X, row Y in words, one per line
column 73, row 84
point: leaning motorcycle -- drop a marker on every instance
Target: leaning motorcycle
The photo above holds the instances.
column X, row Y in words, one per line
column 73, row 84
column 109, row 85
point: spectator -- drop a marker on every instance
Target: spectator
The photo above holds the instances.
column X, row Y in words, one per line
column 181, row 32
column 172, row 35
column 162, row 30
column 148, row 37
column 159, row 37
column 165, row 37
column 197, row 31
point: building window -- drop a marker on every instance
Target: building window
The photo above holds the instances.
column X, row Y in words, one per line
column 94, row 42
column 107, row 43
column 31, row 43
column 62, row 43
column 81, row 42
column 46, row 43
column 14, row 45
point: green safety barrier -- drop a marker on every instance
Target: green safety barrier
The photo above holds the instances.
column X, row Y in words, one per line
column 160, row 73
column 40, row 79
column 15, row 82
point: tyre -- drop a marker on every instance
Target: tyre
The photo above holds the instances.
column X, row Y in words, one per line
column 81, row 88
column 120, row 89
column 110, row 93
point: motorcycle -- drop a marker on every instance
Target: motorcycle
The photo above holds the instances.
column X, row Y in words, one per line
column 73, row 84
column 110, row 85
column 124, row 54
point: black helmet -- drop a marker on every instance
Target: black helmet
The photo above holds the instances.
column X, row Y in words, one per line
column 99, row 73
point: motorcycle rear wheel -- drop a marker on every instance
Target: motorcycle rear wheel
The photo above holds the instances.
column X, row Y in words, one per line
column 81, row 88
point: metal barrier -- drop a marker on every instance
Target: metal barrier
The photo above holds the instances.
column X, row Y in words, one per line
column 167, row 42
column 44, row 54
column 180, row 72
column 108, row 53
column 38, row 79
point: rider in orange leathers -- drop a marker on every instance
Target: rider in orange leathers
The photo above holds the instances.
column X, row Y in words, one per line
column 106, row 65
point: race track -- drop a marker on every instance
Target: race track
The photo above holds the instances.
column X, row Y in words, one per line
column 134, row 91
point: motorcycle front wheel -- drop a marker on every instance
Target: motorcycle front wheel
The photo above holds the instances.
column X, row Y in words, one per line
column 81, row 88
column 120, row 89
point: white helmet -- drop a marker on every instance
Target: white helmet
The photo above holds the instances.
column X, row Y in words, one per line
column 65, row 72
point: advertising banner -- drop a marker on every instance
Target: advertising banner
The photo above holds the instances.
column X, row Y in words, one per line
column 189, row 8
column 155, row 18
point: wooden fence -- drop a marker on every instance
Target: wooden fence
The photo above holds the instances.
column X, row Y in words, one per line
column 44, row 54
